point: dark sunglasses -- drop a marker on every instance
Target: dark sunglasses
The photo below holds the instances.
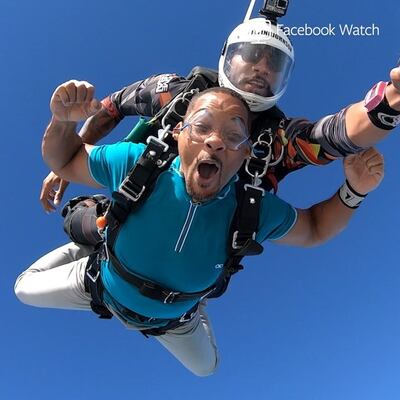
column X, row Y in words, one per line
column 253, row 53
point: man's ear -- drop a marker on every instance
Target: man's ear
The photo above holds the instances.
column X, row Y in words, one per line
column 176, row 131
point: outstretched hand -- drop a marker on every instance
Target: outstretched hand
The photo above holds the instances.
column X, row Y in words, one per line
column 53, row 188
column 364, row 170
column 74, row 101
column 395, row 77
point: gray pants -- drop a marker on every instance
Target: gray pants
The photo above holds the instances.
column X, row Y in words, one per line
column 57, row 281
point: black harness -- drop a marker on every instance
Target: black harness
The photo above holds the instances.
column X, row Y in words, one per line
column 131, row 194
column 138, row 185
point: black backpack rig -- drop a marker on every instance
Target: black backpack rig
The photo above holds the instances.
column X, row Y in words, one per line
column 85, row 218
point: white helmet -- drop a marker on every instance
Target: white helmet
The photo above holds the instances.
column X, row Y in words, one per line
column 262, row 69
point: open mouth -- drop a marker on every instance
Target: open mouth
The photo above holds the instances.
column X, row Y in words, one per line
column 207, row 169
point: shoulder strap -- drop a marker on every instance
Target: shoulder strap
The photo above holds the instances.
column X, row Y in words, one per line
column 137, row 185
column 242, row 239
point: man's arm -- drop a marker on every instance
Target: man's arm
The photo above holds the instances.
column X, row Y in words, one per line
column 144, row 97
column 63, row 150
column 335, row 136
column 360, row 130
column 321, row 222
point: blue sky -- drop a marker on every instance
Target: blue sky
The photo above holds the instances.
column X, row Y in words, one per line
column 301, row 324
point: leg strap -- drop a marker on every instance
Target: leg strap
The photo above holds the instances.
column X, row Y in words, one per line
column 94, row 286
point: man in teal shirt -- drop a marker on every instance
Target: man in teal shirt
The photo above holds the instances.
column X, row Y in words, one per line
column 178, row 236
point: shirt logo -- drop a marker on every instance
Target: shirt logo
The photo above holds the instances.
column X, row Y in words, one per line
column 163, row 83
column 219, row 266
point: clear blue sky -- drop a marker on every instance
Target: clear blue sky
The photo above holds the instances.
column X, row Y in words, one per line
column 298, row 324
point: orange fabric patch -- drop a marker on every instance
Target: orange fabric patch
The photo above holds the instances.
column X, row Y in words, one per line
column 165, row 98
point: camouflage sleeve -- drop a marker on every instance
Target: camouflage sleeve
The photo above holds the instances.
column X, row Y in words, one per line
column 319, row 142
column 144, row 97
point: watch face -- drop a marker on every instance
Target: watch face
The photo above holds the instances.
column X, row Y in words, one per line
column 375, row 96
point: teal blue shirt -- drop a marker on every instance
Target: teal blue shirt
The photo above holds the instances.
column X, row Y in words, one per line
column 169, row 239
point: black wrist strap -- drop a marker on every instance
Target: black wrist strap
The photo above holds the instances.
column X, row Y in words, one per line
column 349, row 197
column 383, row 116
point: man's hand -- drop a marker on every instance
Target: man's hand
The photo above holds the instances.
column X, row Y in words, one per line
column 395, row 78
column 74, row 101
column 53, row 188
column 364, row 170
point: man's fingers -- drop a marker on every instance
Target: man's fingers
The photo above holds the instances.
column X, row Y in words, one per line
column 365, row 154
column 48, row 207
column 371, row 155
column 81, row 94
column 71, row 89
column 75, row 91
column 84, row 92
column 60, row 192
column 46, row 204
column 62, row 95
column 395, row 77
column 89, row 91
column 375, row 160
column 376, row 170
column 51, row 184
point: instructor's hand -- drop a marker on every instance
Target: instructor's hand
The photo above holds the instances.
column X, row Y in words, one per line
column 74, row 101
column 395, row 78
column 53, row 188
column 364, row 170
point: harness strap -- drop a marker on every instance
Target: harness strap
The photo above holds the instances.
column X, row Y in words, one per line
column 137, row 185
column 242, row 232
column 94, row 286
column 172, row 113
column 134, row 189
column 153, row 290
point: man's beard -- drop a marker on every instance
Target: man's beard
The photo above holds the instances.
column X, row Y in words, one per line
column 200, row 197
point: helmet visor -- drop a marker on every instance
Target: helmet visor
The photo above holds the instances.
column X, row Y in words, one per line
column 257, row 68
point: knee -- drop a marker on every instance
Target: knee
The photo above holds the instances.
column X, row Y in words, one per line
column 21, row 290
column 207, row 370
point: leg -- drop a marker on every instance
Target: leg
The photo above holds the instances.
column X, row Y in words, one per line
column 193, row 344
column 56, row 279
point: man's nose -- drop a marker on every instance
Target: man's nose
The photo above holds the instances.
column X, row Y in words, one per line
column 215, row 143
column 262, row 66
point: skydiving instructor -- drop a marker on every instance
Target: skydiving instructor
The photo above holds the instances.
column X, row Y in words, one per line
column 256, row 61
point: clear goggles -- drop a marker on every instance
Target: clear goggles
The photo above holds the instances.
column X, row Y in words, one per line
column 201, row 126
